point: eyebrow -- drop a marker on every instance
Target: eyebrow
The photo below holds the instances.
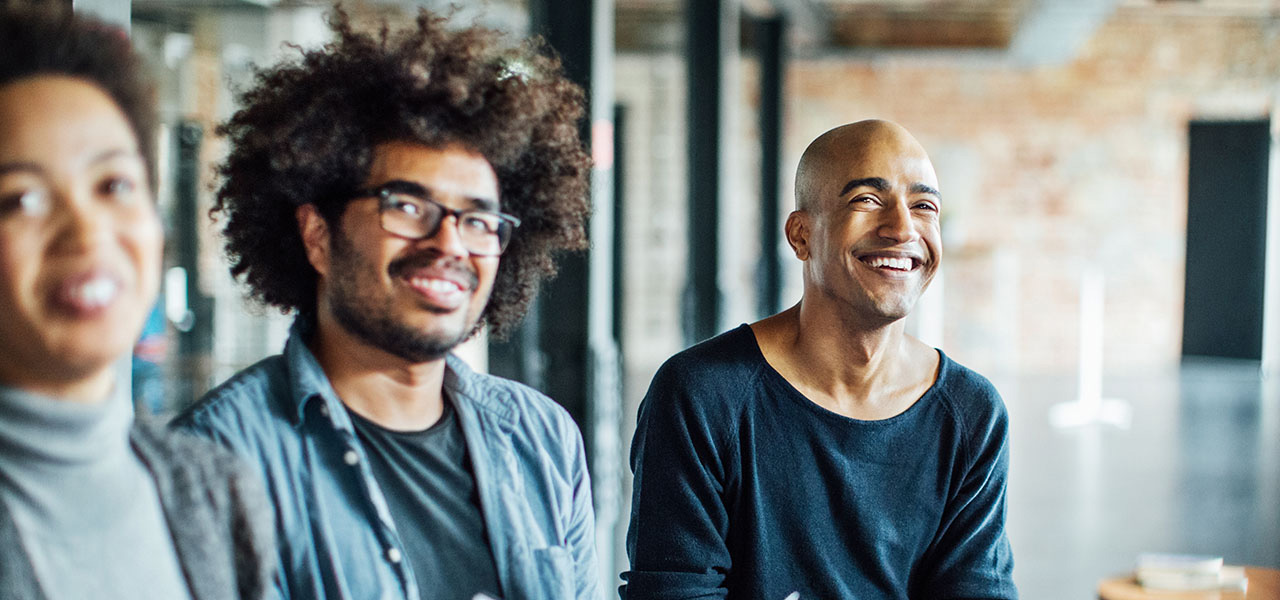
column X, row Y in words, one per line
column 920, row 188
column 15, row 167
column 114, row 153
column 417, row 190
column 882, row 185
column 877, row 183
column 104, row 156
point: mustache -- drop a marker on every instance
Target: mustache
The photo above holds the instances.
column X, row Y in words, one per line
column 451, row 268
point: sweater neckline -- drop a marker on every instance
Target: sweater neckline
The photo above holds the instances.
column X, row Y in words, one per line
column 772, row 377
column 56, row 454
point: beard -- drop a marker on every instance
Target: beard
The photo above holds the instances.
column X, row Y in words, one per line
column 359, row 310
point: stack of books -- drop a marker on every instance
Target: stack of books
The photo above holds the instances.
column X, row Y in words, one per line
column 1188, row 572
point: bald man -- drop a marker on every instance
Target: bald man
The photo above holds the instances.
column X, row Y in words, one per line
column 823, row 453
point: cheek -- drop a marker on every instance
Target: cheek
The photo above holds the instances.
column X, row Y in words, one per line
column 933, row 239
column 487, row 272
column 21, row 258
column 143, row 239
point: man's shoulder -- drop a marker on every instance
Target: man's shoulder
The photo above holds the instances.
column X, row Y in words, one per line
column 709, row 382
column 249, row 396
column 731, row 358
column 519, row 396
column 972, row 397
column 958, row 379
column 501, row 396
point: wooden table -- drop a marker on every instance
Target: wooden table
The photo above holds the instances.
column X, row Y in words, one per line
column 1264, row 584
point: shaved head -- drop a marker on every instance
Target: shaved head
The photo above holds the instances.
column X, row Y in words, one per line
column 867, row 221
column 826, row 160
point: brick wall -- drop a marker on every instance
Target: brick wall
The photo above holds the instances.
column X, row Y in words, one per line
column 1046, row 171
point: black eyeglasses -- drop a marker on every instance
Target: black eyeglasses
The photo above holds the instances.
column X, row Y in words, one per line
column 412, row 215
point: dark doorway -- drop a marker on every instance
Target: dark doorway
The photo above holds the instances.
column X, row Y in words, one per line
column 1226, row 239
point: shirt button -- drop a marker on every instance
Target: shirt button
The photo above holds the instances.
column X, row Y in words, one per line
column 393, row 555
column 351, row 457
column 324, row 409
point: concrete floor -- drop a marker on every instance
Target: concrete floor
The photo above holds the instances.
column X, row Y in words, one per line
column 1198, row 471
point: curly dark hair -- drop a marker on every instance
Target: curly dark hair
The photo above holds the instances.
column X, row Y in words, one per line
column 309, row 125
column 49, row 39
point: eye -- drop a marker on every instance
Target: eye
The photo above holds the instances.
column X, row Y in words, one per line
column 927, row 206
column 863, row 201
column 118, row 188
column 403, row 205
column 481, row 222
column 31, row 203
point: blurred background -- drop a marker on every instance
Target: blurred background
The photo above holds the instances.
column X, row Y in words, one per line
column 1112, row 239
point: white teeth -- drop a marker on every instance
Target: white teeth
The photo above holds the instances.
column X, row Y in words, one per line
column 435, row 285
column 96, row 292
column 901, row 264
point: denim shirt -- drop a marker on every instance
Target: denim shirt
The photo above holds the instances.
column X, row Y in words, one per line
column 336, row 536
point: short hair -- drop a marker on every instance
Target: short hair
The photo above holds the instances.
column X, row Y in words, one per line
column 49, row 39
column 308, row 127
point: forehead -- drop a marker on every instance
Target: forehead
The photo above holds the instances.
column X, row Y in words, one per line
column 57, row 119
column 901, row 163
column 448, row 171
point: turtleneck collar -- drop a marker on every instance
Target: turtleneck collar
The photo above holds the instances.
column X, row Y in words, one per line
column 56, row 455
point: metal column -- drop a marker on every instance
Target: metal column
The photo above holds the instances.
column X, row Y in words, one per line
column 711, row 39
column 195, row 341
column 770, row 34
column 577, row 358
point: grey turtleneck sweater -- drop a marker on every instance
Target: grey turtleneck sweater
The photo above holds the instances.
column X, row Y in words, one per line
column 85, row 506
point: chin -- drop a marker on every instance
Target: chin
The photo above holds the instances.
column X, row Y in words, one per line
column 82, row 361
column 895, row 311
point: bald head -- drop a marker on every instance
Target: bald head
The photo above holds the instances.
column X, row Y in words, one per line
column 847, row 154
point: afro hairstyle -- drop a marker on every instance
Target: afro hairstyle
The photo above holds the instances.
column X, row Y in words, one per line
column 308, row 127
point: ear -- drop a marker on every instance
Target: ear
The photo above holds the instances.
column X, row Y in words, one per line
column 315, row 237
column 797, row 231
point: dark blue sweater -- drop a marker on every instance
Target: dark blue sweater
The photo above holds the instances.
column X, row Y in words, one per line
column 744, row 488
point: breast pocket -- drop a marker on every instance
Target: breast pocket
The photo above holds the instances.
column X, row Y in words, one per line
column 553, row 568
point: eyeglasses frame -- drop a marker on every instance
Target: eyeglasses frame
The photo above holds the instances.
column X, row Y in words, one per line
column 383, row 194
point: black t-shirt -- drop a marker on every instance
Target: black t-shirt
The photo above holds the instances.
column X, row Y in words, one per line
column 430, row 489
column 744, row 488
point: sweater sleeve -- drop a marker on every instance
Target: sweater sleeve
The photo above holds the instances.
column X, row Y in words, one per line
column 970, row 556
column 253, row 537
column 676, row 541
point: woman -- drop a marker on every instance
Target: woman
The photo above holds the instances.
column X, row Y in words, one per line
column 92, row 504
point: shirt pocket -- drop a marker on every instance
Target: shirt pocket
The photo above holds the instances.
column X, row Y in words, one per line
column 553, row 570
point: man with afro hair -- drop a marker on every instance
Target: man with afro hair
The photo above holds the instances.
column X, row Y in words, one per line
column 397, row 191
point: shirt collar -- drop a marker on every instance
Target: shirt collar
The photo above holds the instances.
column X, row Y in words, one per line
column 469, row 389
column 309, row 383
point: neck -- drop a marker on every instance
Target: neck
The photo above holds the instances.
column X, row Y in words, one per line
column 83, row 388
column 384, row 388
column 845, row 366
column 854, row 356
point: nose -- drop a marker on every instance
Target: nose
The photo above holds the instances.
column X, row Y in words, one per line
column 897, row 225
column 447, row 239
column 80, row 222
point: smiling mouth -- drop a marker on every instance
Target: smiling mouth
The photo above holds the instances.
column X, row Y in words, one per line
column 438, row 286
column 88, row 294
column 441, row 295
column 900, row 264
